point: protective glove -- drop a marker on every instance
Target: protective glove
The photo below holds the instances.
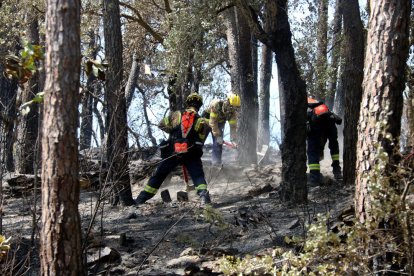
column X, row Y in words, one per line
column 219, row 140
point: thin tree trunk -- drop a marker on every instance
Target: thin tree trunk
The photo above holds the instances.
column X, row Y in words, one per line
column 233, row 48
column 263, row 137
column 86, row 125
column 61, row 251
column 351, row 79
column 27, row 128
column 322, row 46
column 264, row 97
column 8, row 112
column 294, row 89
column 98, row 115
column 335, row 55
column 116, row 116
column 279, row 38
column 282, row 105
column 132, row 80
column 247, row 123
column 147, row 120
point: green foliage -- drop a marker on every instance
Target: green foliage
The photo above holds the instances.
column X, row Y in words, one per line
column 195, row 39
column 22, row 67
column 248, row 265
column 25, row 107
column 214, row 217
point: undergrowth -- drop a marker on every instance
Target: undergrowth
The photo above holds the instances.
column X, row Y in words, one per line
column 381, row 244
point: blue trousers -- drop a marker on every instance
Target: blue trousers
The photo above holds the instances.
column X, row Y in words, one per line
column 217, row 148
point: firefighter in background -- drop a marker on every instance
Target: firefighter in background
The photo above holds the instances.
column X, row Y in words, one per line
column 321, row 127
column 218, row 112
column 184, row 146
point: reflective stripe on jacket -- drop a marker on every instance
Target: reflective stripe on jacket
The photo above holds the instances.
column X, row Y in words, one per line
column 173, row 120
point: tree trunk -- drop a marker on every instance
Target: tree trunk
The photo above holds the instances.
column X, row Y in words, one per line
column 279, row 38
column 322, row 45
column 247, row 123
column 8, row 95
column 132, row 80
column 294, row 89
column 61, row 252
column 173, row 93
column 409, row 112
column 233, row 48
column 98, row 115
column 263, row 137
column 146, row 117
column 27, row 128
column 351, row 80
column 264, row 97
column 85, row 137
column 380, row 117
column 335, row 55
column 116, row 116
column 281, row 105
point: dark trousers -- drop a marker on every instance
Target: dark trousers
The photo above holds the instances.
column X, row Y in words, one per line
column 321, row 132
column 217, row 148
column 193, row 164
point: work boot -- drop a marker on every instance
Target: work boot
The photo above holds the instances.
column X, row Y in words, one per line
column 142, row 198
column 337, row 172
column 314, row 178
column 204, row 197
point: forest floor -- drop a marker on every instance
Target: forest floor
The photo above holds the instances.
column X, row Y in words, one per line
column 178, row 238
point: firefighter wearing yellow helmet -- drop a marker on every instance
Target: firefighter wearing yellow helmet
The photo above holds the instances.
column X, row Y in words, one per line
column 217, row 113
column 184, row 147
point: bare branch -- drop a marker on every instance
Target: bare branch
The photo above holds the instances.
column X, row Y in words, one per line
column 141, row 22
column 251, row 16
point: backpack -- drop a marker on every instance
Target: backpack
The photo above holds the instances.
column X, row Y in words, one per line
column 184, row 135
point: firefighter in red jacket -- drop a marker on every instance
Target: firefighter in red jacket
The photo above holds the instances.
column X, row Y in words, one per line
column 186, row 131
column 321, row 127
column 217, row 113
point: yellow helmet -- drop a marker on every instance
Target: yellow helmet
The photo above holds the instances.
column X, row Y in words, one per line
column 234, row 99
column 195, row 100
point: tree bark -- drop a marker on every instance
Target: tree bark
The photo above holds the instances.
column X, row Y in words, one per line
column 132, row 80
column 8, row 95
column 247, row 122
column 279, row 38
column 27, row 128
column 85, row 137
column 351, row 80
column 322, row 46
column 293, row 149
column 61, row 252
column 263, row 137
column 116, row 116
column 379, row 124
column 335, row 55
column 146, row 117
column 233, row 48
column 264, row 97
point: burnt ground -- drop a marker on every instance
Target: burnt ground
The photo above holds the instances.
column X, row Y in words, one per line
column 247, row 218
